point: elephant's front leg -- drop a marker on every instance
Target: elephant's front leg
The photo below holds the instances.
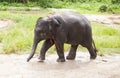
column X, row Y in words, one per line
column 72, row 53
column 46, row 45
column 60, row 51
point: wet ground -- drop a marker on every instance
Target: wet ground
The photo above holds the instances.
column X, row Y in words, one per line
column 15, row 66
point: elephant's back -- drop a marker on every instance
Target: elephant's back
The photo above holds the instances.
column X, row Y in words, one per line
column 71, row 17
column 75, row 25
column 74, row 21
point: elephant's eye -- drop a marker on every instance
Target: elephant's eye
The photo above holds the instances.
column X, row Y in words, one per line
column 43, row 35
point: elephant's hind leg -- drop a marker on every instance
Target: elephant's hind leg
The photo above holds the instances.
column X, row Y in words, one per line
column 72, row 53
column 92, row 52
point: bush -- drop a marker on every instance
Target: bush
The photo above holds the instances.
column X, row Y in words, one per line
column 115, row 1
column 103, row 8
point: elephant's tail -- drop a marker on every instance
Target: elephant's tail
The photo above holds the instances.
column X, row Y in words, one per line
column 95, row 49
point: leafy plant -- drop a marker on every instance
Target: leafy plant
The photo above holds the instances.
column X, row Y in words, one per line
column 103, row 8
column 115, row 1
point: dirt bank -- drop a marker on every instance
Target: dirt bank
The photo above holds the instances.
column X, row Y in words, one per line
column 15, row 66
column 104, row 19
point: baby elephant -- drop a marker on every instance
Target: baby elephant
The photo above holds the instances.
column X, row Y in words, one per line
column 67, row 27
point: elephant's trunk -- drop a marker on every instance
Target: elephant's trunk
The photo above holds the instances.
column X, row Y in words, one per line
column 36, row 41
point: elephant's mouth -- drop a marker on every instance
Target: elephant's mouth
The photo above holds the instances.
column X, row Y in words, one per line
column 44, row 35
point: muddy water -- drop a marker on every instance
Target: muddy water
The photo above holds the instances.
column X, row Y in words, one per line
column 15, row 66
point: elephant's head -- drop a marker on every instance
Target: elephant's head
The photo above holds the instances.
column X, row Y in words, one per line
column 45, row 28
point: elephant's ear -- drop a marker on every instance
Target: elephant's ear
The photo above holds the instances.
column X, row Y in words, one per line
column 54, row 23
column 38, row 21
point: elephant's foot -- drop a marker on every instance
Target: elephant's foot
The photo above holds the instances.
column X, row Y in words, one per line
column 93, row 57
column 41, row 59
column 61, row 60
column 70, row 57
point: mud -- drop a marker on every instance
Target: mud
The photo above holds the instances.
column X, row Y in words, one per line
column 15, row 66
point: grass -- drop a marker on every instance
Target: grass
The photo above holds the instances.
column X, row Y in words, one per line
column 19, row 38
column 107, row 39
column 82, row 7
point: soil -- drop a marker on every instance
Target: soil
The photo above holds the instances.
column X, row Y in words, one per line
column 104, row 19
column 15, row 66
column 5, row 22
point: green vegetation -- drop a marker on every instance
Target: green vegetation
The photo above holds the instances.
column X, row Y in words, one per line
column 107, row 39
column 86, row 6
column 19, row 38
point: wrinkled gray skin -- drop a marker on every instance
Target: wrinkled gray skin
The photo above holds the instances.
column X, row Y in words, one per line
column 67, row 27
